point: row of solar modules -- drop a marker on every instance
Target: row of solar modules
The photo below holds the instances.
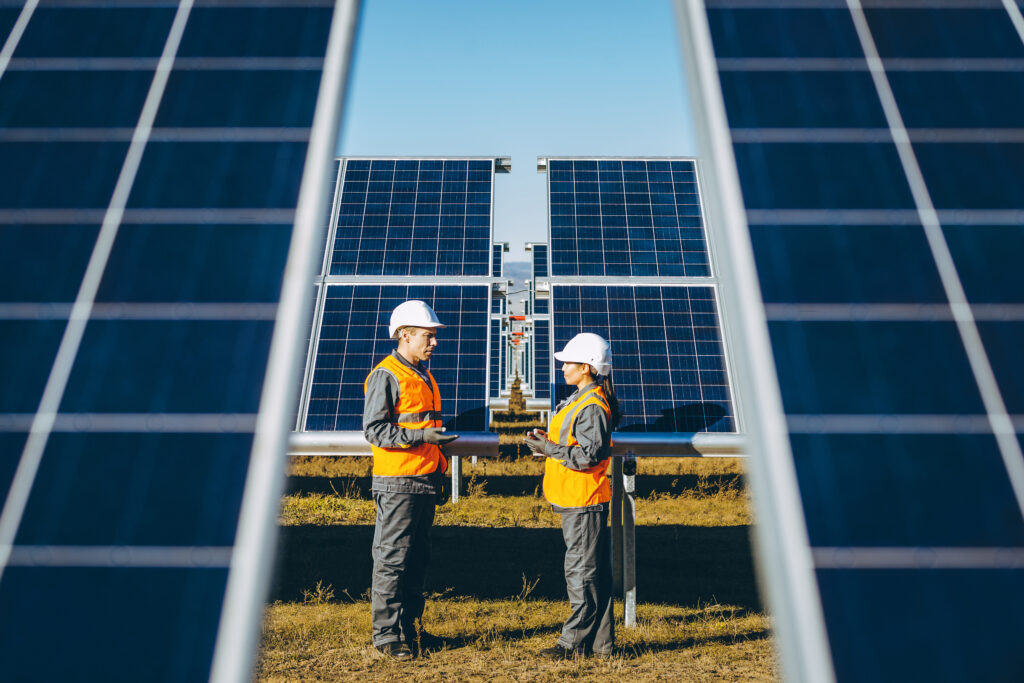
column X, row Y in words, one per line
column 416, row 221
column 880, row 167
column 611, row 220
column 414, row 217
column 626, row 218
column 117, row 537
column 679, row 384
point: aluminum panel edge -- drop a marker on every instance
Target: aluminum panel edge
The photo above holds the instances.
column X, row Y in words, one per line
column 784, row 560
column 255, row 542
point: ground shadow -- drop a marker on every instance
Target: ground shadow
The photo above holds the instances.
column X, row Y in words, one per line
column 680, row 565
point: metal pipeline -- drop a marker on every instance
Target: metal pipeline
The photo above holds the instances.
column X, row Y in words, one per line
column 485, row 444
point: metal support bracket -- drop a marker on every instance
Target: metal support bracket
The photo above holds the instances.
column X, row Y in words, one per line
column 629, row 538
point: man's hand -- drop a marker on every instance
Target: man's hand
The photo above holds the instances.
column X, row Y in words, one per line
column 436, row 436
column 539, row 443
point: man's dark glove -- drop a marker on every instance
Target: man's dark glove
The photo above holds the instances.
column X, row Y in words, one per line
column 436, row 436
column 539, row 444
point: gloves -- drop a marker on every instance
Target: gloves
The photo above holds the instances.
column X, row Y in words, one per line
column 540, row 445
column 443, row 488
column 436, row 436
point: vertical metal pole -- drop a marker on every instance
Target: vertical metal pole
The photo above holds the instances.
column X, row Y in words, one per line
column 456, row 468
column 617, row 523
column 629, row 544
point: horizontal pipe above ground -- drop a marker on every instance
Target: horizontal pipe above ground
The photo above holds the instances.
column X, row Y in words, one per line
column 485, row 444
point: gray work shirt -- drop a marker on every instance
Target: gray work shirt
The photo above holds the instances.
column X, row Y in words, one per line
column 593, row 432
column 382, row 393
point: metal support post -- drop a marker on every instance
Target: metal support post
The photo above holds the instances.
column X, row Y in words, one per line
column 617, row 524
column 629, row 538
column 456, row 468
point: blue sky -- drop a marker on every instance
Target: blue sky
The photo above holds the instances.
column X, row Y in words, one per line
column 519, row 78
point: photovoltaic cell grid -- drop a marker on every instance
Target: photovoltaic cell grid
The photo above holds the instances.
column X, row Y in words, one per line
column 625, row 218
column 425, row 217
column 540, row 261
column 497, row 259
column 353, row 339
column 668, row 361
column 496, row 356
column 911, row 511
column 132, row 513
column 542, row 358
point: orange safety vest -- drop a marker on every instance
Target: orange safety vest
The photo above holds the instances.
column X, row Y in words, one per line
column 570, row 488
column 419, row 407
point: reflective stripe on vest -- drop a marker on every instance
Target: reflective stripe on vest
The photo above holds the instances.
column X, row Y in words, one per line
column 570, row 488
column 419, row 407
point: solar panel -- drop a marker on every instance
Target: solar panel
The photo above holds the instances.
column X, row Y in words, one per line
column 626, row 217
column 879, row 168
column 497, row 258
column 669, row 364
column 540, row 261
column 144, row 241
column 497, row 357
column 353, row 339
column 541, row 351
column 422, row 217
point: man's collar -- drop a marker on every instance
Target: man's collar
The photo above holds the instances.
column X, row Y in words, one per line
column 419, row 367
column 406, row 361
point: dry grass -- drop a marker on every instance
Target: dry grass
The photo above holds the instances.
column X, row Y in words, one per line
column 498, row 640
column 695, row 508
column 324, row 466
column 723, row 507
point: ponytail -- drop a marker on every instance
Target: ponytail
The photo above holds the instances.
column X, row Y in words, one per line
column 608, row 387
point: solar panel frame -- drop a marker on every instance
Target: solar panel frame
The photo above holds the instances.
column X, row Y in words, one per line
column 360, row 266
column 708, row 279
column 243, row 568
column 680, row 395
column 800, row 595
column 326, row 280
column 637, row 239
column 452, row 388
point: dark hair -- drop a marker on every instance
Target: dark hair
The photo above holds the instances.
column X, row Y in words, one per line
column 608, row 386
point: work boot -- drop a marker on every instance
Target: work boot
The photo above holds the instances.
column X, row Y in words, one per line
column 427, row 642
column 557, row 653
column 395, row 650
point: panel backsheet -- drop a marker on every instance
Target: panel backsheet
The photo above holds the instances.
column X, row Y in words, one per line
column 895, row 456
column 669, row 364
column 354, row 338
column 626, row 217
column 121, row 553
column 422, row 217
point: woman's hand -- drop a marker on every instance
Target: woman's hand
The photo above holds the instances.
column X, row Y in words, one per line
column 538, row 442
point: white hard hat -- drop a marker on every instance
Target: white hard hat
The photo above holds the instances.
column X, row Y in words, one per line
column 413, row 313
column 589, row 348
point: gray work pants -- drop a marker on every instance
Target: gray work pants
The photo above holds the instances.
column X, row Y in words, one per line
column 401, row 551
column 588, row 580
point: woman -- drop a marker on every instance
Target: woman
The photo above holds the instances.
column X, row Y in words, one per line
column 578, row 446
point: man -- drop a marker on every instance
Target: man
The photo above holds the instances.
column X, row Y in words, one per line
column 402, row 422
